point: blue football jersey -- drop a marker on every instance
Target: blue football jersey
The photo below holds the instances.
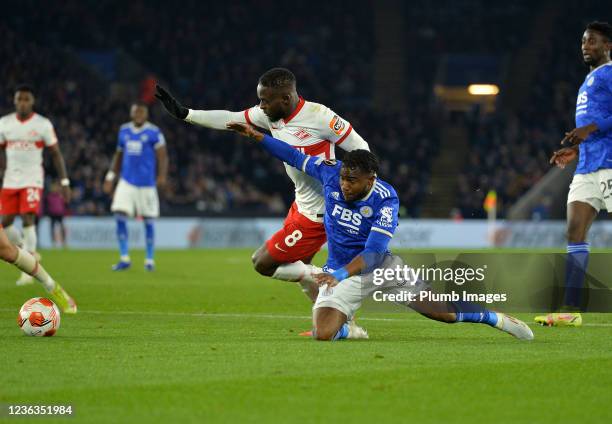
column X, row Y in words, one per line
column 595, row 103
column 139, row 166
column 348, row 224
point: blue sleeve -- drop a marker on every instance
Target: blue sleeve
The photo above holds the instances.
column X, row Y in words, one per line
column 120, row 141
column 604, row 124
column 316, row 167
column 381, row 234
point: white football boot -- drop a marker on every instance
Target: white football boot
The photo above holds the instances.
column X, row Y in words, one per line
column 513, row 326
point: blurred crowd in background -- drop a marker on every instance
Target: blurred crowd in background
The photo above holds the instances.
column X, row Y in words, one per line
column 215, row 63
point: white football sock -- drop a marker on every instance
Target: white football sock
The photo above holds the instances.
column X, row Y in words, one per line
column 291, row 272
column 13, row 235
column 28, row 264
column 29, row 238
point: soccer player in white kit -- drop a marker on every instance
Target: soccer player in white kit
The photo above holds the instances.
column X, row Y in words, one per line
column 23, row 136
column 312, row 128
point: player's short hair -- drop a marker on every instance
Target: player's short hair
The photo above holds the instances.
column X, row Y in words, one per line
column 277, row 78
column 361, row 159
column 25, row 87
column 603, row 28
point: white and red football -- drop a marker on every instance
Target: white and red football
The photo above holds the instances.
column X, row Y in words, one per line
column 39, row 317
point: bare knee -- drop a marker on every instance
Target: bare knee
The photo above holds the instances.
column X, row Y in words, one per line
column 262, row 263
column 8, row 252
column 324, row 333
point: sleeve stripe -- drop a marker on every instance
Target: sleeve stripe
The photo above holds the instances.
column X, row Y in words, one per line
column 305, row 162
column 380, row 230
column 246, row 117
column 345, row 135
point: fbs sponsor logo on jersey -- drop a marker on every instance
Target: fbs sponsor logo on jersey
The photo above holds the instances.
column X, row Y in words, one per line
column 347, row 218
column 337, row 125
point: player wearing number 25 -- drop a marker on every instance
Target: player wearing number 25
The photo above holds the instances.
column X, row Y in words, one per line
column 591, row 187
column 23, row 136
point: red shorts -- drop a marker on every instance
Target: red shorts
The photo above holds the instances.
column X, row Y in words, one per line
column 17, row 201
column 300, row 238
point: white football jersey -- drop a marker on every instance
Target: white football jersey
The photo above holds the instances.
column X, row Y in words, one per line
column 314, row 129
column 24, row 142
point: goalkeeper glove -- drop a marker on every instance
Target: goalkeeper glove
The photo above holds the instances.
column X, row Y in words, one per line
column 173, row 107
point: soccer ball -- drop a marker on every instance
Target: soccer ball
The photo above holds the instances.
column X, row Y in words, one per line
column 39, row 317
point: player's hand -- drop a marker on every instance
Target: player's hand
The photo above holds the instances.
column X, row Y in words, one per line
column 245, row 130
column 326, row 278
column 578, row 135
column 66, row 193
column 107, row 187
column 564, row 156
column 172, row 105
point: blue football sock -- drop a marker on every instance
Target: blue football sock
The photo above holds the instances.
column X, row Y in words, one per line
column 472, row 312
column 122, row 234
column 342, row 333
column 150, row 237
column 575, row 268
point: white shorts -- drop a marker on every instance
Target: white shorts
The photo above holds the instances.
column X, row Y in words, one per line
column 349, row 293
column 594, row 188
column 135, row 201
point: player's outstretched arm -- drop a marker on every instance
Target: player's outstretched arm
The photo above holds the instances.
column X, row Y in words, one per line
column 276, row 148
column 214, row 119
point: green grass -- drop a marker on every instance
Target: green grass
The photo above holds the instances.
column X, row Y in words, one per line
column 204, row 339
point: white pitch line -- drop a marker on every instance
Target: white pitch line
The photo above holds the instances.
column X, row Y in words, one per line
column 264, row 316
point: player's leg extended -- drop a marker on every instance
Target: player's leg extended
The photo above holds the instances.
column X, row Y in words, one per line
column 149, row 224
column 580, row 216
column 30, row 241
column 27, row 263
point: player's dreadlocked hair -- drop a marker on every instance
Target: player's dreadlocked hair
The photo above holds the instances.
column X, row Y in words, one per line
column 363, row 160
column 603, row 28
column 277, row 78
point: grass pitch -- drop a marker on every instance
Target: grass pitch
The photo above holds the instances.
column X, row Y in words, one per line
column 205, row 339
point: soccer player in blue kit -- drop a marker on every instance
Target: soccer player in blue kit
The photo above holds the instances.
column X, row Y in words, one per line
column 142, row 159
column 361, row 213
column 591, row 188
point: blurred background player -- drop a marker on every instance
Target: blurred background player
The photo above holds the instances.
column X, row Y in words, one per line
column 141, row 159
column 591, row 187
column 55, row 209
column 312, row 128
column 361, row 214
column 23, row 135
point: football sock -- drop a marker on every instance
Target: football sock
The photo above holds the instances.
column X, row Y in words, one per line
column 343, row 332
column 122, row 237
column 13, row 235
column 575, row 268
column 29, row 238
column 27, row 263
column 291, row 272
column 471, row 312
column 150, row 238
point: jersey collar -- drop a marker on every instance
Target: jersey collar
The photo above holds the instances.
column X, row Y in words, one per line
column 136, row 129
column 297, row 109
column 600, row 66
column 23, row 121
